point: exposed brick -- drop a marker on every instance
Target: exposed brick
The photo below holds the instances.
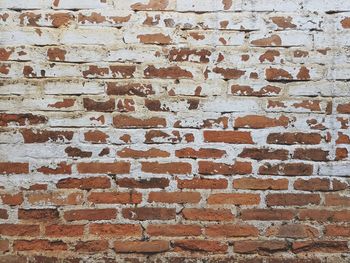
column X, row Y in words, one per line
column 39, row 245
column 12, row 199
column 122, row 121
column 175, row 131
column 84, row 183
column 143, row 183
column 337, row 231
column 149, row 213
column 289, row 169
column 166, row 168
column 292, row 231
column 202, row 183
column 19, row 230
column 155, row 246
column 174, row 230
column 150, row 153
column 320, row 246
column 294, row 138
column 267, row 214
column 263, row 247
column 264, row 154
column 37, row 214
column 14, row 168
column 314, row 184
column 260, row 122
column 231, row 231
column 324, row 215
column 91, row 246
column 207, row 167
column 175, row 197
column 207, row 214
column 114, row 198
column 104, row 168
column 292, row 199
column 64, row 230
column 234, row 199
column 90, row 214
column 260, row 184
column 202, row 153
column 236, row 137
column 200, row 245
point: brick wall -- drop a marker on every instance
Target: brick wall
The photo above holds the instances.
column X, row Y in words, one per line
column 174, row 131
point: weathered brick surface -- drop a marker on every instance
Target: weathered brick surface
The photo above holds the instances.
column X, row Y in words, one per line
column 174, row 131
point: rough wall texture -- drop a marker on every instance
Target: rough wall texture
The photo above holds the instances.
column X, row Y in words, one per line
column 174, row 131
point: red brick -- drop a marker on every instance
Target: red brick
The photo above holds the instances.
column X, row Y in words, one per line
column 39, row 245
column 267, row 214
column 4, row 247
column 143, row 183
column 150, row 153
column 91, row 246
column 136, row 89
column 3, row 214
column 343, row 108
column 101, row 106
column 60, row 168
column 64, row 230
column 174, row 230
column 234, row 199
column 264, row 154
column 154, row 246
column 126, row 122
column 208, row 167
column 263, row 247
column 290, row 138
column 292, row 231
column 149, row 213
column 115, row 198
column 236, row 137
column 324, row 215
column 202, row 183
column 317, row 155
column 21, row 119
column 19, row 230
column 174, row 197
column 166, row 168
column 337, row 200
column 12, row 199
column 42, row 136
column 14, row 168
column 202, row 153
column 337, row 231
column 231, row 231
column 173, row 72
column 104, row 168
column 90, row 214
column 96, row 136
column 289, row 169
column 288, row 199
column 37, row 214
column 314, row 184
column 84, row 183
column 260, row 184
column 200, row 245
column 261, row 122
column 320, row 246
column 207, row 214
